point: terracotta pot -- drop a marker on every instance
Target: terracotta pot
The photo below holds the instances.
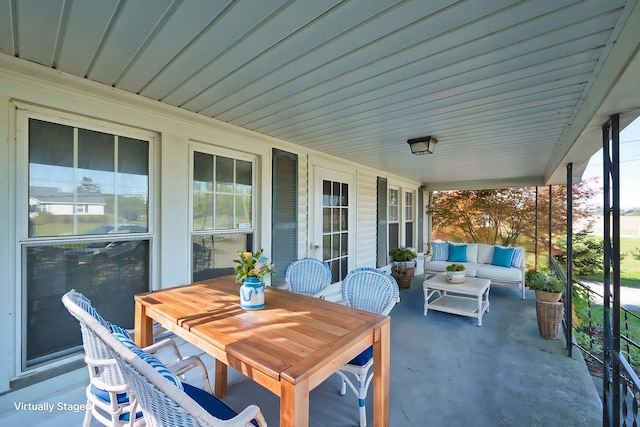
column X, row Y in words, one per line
column 548, row 296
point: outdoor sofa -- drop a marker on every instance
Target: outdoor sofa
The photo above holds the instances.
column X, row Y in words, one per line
column 502, row 265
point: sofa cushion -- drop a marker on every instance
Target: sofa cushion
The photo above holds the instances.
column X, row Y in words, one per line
column 502, row 256
column 517, row 257
column 458, row 253
column 472, row 252
column 499, row 274
column 485, row 253
column 440, row 251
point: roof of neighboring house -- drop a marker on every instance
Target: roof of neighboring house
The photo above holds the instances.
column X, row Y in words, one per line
column 51, row 195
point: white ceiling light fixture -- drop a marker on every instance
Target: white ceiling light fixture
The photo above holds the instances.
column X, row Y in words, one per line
column 422, row 145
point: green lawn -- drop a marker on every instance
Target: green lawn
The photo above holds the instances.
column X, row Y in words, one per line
column 632, row 330
column 629, row 276
column 629, row 267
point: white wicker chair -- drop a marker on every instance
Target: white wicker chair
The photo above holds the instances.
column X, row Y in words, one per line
column 108, row 399
column 308, row 276
column 163, row 403
column 376, row 291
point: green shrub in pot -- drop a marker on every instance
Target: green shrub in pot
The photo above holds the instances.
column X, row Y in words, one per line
column 548, row 287
column 403, row 254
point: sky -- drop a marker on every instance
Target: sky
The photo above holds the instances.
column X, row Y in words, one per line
column 629, row 167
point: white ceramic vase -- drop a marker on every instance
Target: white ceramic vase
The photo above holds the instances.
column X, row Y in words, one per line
column 252, row 294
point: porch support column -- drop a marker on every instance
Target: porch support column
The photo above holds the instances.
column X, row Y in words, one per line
column 611, row 186
column 550, row 245
column 429, row 222
column 536, row 239
column 420, row 244
column 568, row 295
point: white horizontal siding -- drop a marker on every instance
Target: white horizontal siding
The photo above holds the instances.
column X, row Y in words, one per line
column 366, row 229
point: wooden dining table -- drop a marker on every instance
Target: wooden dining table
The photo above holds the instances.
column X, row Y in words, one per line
column 290, row 346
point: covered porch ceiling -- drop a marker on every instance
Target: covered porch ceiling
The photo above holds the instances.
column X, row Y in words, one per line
column 512, row 90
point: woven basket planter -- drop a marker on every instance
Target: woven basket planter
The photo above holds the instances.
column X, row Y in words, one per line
column 549, row 318
column 403, row 275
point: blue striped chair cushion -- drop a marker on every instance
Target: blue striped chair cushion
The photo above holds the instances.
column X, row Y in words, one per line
column 125, row 339
column 85, row 304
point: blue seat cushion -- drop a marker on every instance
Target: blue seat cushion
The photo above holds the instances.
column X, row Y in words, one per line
column 104, row 395
column 122, row 398
column 362, row 358
column 210, row 403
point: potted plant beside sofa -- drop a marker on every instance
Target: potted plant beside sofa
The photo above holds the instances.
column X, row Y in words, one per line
column 547, row 286
column 404, row 266
column 549, row 309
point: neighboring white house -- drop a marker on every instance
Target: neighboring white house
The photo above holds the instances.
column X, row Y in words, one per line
column 56, row 202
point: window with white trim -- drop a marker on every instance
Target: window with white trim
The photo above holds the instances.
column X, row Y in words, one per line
column 409, row 224
column 222, row 211
column 393, row 216
column 86, row 202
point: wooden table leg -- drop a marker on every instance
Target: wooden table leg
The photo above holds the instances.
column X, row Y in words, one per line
column 294, row 404
column 143, row 332
column 381, row 380
column 220, row 386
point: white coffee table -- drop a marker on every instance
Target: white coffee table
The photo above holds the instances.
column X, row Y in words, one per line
column 470, row 298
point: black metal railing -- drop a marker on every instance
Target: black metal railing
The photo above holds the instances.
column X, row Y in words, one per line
column 588, row 333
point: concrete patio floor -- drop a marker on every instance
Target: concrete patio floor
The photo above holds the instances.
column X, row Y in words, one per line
column 445, row 371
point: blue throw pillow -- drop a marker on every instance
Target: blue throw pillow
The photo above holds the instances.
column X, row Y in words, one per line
column 516, row 258
column 502, row 256
column 440, row 251
column 458, row 253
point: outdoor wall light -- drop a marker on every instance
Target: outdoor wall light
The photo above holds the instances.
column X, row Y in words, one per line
column 422, row 145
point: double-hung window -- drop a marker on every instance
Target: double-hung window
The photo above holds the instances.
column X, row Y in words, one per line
column 223, row 220
column 394, row 218
column 409, row 214
column 85, row 209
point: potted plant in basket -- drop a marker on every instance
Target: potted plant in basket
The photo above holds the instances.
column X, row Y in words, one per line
column 404, row 266
column 547, row 286
column 456, row 273
column 549, row 289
